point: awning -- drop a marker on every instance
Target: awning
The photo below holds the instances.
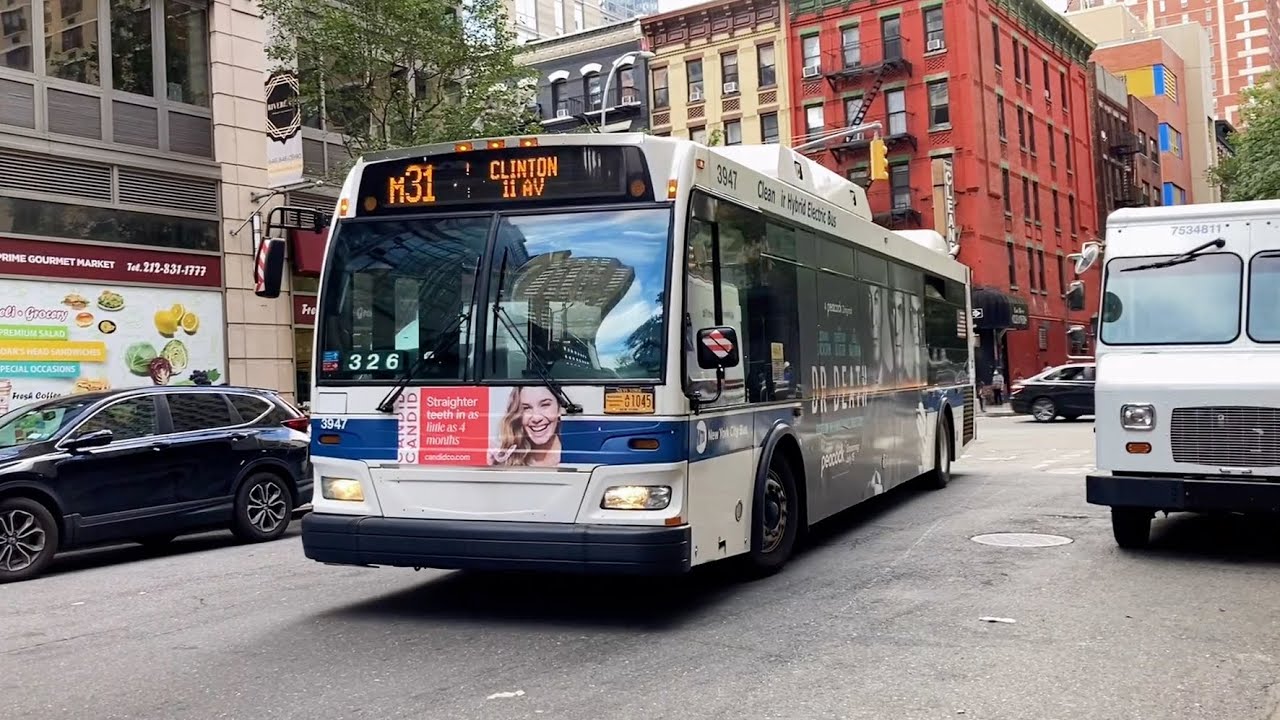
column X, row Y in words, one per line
column 998, row 310
column 308, row 251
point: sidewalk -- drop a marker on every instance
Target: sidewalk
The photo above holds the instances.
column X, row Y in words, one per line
column 998, row 411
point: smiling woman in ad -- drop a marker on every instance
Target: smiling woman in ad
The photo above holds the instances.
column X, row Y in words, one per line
column 529, row 431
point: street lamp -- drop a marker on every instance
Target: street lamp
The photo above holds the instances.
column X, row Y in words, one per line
column 627, row 59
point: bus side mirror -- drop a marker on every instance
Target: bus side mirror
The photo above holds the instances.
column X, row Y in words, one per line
column 1075, row 295
column 718, row 348
column 268, row 268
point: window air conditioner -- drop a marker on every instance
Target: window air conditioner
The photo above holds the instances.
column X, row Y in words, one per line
column 730, row 88
column 695, row 96
column 935, row 44
column 811, row 71
column 562, row 113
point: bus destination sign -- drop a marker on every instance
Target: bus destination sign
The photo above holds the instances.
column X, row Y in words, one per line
column 504, row 176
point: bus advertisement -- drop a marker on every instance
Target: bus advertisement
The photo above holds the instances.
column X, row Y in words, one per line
column 617, row 354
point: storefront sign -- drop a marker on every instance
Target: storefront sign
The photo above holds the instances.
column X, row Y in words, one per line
column 944, row 203
column 304, row 310
column 110, row 264
column 60, row 338
column 284, row 130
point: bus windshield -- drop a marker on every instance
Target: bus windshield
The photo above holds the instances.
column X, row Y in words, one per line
column 1188, row 303
column 585, row 290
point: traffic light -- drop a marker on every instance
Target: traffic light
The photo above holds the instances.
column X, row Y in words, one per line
column 879, row 159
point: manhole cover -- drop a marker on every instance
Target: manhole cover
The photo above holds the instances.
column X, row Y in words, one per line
column 1021, row 540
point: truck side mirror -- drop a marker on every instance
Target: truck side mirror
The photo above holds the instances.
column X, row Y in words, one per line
column 718, row 348
column 268, row 268
column 1075, row 295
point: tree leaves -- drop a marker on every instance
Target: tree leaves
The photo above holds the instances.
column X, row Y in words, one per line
column 1253, row 172
column 399, row 73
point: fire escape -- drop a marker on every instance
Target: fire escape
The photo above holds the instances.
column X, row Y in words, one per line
column 870, row 65
column 1124, row 149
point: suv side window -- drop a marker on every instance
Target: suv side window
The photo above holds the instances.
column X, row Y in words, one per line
column 1070, row 373
column 250, row 408
column 199, row 411
column 1090, row 373
column 127, row 420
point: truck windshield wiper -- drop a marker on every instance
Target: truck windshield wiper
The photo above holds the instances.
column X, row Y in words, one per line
column 539, row 365
column 388, row 403
column 1185, row 257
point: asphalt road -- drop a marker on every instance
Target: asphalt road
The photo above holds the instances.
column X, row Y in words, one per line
column 879, row 619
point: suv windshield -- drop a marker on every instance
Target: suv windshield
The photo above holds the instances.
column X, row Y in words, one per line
column 585, row 289
column 36, row 423
column 1195, row 302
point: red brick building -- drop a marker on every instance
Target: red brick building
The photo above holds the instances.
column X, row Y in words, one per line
column 1000, row 91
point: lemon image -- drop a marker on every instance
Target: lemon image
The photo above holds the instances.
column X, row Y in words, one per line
column 166, row 322
column 190, row 323
column 178, row 311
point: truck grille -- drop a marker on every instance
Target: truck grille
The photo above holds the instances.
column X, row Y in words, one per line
column 1227, row 436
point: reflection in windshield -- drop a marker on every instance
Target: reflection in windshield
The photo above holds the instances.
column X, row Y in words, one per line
column 396, row 287
column 36, row 423
column 586, row 291
column 1189, row 303
column 1264, row 297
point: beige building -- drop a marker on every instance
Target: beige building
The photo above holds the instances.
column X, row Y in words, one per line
column 539, row 19
column 720, row 72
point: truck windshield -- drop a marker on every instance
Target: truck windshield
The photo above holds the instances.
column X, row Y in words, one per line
column 1264, row 297
column 585, row 289
column 1190, row 303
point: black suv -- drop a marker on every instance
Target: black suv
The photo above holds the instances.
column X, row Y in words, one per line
column 147, row 465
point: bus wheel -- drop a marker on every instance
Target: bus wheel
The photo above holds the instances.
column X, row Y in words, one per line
column 1131, row 527
column 776, row 519
column 941, row 473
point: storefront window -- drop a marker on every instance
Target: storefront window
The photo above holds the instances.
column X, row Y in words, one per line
column 131, row 50
column 186, row 38
column 303, row 339
column 71, row 40
column 51, row 219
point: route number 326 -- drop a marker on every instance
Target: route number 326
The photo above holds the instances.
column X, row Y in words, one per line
column 373, row 361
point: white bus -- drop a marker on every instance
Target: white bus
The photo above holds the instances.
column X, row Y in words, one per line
column 617, row 354
column 1188, row 364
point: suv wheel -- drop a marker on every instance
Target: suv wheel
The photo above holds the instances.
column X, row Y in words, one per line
column 263, row 509
column 28, row 539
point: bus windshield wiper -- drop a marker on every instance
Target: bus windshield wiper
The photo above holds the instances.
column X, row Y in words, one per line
column 388, row 403
column 1185, row 257
column 539, row 365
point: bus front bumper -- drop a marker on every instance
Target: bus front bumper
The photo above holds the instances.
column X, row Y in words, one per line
column 1183, row 494
column 490, row 545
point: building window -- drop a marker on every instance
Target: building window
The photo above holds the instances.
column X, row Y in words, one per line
column 852, row 106
column 1004, row 186
column 1026, row 65
column 1035, row 200
column 1026, row 199
column 900, row 185
column 1031, row 132
column 693, row 72
column 627, row 93
column 579, row 16
column 729, row 72
column 1017, row 62
column 15, row 36
column 1048, row 94
column 186, row 52
column 1022, row 129
column 1071, row 213
column 939, row 104
column 811, row 51
column 813, row 121
column 733, row 132
column 1062, row 275
column 559, row 103
column 592, row 88
column 1053, row 146
column 1013, row 265
column 71, row 41
column 851, row 46
column 1031, row 268
column 768, row 66
column 995, row 42
column 661, row 93
column 1000, row 121
column 891, row 37
column 527, row 14
column 1174, row 195
column 1170, row 140
column 1142, row 142
column 1057, row 212
column 1066, row 148
column 698, row 135
column 1062, row 83
column 557, row 12
column 1040, row 256
column 131, row 47
column 934, row 37
column 896, row 102
column 769, row 128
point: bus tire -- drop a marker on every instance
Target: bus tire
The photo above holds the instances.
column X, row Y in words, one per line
column 775, row 519
column 940, row 476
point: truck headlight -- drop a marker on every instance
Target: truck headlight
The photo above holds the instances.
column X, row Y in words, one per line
column 344, row 489
column 636, row 497
column 1137, row 416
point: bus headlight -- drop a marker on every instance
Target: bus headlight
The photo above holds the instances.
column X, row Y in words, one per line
column 1137, row 416
column 344, row 489
column 636, row 497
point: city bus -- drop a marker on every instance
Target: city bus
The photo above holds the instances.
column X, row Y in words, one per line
column 1187, row 392
column 617, row 354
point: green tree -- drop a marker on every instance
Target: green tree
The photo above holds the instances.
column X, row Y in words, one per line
column 398, row 73
column 1253, row 171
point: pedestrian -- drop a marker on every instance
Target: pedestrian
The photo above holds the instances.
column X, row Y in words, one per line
column 997, row 387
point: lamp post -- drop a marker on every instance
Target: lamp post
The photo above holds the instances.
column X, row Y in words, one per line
column 627, row 59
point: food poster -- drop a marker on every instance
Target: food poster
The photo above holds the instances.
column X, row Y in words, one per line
column 496, row 427
column 63, row 338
